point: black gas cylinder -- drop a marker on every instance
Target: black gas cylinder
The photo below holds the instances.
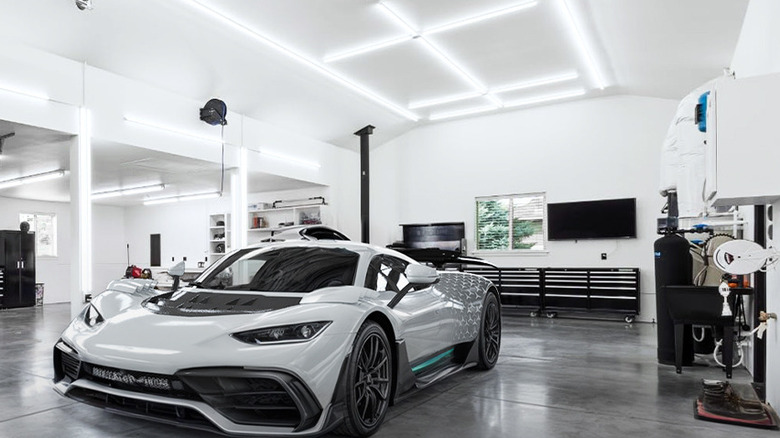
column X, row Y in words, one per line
column 673, row 267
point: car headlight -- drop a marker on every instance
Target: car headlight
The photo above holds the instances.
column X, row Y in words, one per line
column 92, row 317
column 283, row 334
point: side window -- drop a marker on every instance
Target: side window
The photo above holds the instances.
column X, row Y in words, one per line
column 386, row 273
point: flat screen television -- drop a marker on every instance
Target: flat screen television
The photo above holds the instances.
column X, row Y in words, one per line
column 605, row 219
column 442, row 235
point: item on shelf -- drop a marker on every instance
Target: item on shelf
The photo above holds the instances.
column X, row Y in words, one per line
column 312, row 218
column 286, row 224
column 318, row 200
column 219, row 236
column 220, row 248
column 259, row 222
column 220, row 223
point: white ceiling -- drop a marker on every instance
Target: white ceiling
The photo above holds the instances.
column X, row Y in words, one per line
column 661, row 48
column 115, row 166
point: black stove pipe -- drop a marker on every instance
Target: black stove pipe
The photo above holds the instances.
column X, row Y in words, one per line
column 364, row 182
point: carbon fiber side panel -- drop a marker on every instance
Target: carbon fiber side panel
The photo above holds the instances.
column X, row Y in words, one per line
column 466, row 292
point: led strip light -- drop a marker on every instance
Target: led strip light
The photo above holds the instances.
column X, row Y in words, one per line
column 513, row 87
column 29, row 179
column 514, row 104
column 314, row 65
column 128, row 191
column 193, row 197
column 434, row 30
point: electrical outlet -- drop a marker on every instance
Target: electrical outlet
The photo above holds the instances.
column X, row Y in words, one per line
column 603, row 256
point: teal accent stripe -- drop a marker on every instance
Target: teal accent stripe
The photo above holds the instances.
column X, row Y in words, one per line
column 432, row 361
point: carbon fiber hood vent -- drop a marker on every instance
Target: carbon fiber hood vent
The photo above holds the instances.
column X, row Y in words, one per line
column 192, row 303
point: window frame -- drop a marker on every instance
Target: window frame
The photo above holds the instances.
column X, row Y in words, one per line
column 34, row 229
column 510, row 251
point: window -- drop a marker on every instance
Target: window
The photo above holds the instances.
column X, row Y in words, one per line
column 289, row 269
column 511, row 222
column 386, row 274
column 44, row 225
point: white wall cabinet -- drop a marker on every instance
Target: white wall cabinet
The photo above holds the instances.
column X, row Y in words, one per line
column 267, row 222
column 219, row 236
column 743, row 141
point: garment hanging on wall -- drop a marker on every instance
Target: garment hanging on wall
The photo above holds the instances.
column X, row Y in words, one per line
column 683, row 157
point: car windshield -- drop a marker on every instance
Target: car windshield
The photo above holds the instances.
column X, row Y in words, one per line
column 291, row 269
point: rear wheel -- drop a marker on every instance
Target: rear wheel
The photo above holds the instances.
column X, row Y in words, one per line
column 490, row 333
column 369, row 380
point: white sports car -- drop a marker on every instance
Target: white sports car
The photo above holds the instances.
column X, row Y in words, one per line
column 289, row 339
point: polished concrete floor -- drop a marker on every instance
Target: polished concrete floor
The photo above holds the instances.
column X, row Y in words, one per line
column 555, row 378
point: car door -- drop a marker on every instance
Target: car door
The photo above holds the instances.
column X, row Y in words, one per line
column 423, row 311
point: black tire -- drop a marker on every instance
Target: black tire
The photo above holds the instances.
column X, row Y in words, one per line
column 489, row 333
column 369, row 382
column 629, row 319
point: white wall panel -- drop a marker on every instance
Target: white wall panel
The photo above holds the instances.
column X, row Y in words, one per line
column 758, row 53
column 108, row 245
column 587, row 150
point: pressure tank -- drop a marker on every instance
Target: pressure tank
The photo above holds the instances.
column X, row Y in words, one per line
column 673, row 267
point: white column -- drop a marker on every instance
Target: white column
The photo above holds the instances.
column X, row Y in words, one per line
column 81, row 213
column 239, row 207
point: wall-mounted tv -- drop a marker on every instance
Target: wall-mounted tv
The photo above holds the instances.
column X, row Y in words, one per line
column 605, row 219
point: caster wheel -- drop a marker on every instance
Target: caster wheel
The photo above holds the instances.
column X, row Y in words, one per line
column 533, row 314
column 629, row 319
column 552, row 315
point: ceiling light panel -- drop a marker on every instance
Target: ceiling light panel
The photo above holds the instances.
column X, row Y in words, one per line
column 129, row 191
column 234, row 23
column 581, row 40
column 550, row 97
column 467, row 21
column 407, row 70
column 32, row 178
column 513, row 48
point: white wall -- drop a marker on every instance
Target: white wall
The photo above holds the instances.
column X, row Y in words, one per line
column 183, row 230
column 183, row 227
column 758, row 53
column 586, row 150
column 54, row 272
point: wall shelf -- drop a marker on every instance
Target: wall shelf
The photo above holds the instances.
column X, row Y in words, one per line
column 215, row 229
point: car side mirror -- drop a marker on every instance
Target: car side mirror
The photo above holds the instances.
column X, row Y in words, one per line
column 421, row 274
column 176, row 271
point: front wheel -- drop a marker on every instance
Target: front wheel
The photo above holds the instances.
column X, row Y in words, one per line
column 490, row 333
column 369, row 380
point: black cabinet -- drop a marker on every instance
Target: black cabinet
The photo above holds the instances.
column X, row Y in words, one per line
column 17, row 269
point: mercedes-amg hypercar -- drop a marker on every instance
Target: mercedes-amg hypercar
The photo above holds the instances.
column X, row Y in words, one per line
column 289, row 339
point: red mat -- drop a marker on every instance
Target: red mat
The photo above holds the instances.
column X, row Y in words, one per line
column 770, row 422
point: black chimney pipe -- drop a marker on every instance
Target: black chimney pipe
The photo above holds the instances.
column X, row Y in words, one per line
column 364, row 187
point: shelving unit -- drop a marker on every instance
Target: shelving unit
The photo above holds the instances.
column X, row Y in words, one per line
column 265, row 223
column 219, row 236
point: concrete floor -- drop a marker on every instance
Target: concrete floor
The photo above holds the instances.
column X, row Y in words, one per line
column 555, row 378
